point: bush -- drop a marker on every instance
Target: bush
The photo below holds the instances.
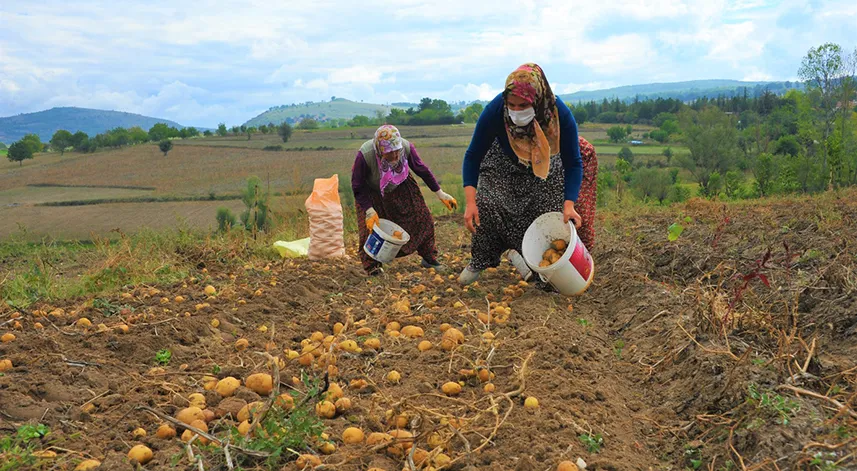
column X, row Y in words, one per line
column 225, row 219
column 678, row 194
column 273, row 148
column 626, row 155
column 659, row 135
column 166, row 145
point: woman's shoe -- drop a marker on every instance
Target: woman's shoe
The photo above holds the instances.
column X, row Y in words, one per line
column 468, row 275
column 436, row 265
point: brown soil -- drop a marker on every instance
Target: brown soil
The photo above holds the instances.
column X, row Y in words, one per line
column 652, row 358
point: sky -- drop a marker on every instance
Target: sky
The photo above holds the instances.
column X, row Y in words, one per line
column 203, row 62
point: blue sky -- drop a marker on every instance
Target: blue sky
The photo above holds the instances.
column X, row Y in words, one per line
column 206, row 61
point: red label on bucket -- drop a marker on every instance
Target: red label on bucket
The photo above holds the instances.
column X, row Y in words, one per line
column 581, row 260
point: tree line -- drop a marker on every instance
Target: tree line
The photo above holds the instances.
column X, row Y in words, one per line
column 804, row 141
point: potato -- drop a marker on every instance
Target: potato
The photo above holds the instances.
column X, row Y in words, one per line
column 327, row 448
column 87, row 465
column 352, row 436
column 413, row 331
column 394, row 326
column 226, row 387
column 84, row 322
column 567, row 466
column 424, row 346
column 377, row 438
column 7, row 337
column 531, row 403
column 210, row 290
column 544, row 263
column 187, row 434
column 196, row 400
column 325, row 409
column 435, row 440
column 5, row 365
column 334, row 391
column 260, row 383
column 209, row 415
column 402, row 442
column 548, row 254
column 451, row 389
column 363, row 331
column 138, row 432
column 140, row 454
column 241, row 344
column 394, row 376
column 372, row 343
column 484, row 375
column 248, row 411
column 190, row 414
column 488, row 388
column 285, row 402
column 244, row 427
column 342, row 404
column 559, row 245
column 165, row 432
column 307, row 460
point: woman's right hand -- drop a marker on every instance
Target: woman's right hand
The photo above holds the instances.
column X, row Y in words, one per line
column 471, row 217
column 471, row 211
column 371, row 218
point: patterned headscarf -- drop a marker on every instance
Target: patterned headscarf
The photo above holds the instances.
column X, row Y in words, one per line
column 534, row 145
column 388, row 139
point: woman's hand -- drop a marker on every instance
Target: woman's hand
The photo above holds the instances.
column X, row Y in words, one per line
column 471, row 211
column 371, row 218
column 569, row 214
column 447, row 200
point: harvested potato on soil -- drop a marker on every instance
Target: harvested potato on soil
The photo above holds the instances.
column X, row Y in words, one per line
column 260, row 383
column 567, row 466
column 140, row 454
column 325, row 409
column 226, row 387
column 352, row 435
column 87, row 465
column 451, row 389
column 307, row 460
column 165, row 432
column 5, row 365
column 190, row 414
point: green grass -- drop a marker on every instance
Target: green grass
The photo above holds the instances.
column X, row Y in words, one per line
column 3, row 152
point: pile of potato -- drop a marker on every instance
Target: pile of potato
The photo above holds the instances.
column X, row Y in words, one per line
column 554, row 253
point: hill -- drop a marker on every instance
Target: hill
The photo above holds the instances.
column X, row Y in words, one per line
column 684, row 91
column 90, row 121
column 338, row 108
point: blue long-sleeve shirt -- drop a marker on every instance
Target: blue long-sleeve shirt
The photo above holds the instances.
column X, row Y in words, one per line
column 491, row 125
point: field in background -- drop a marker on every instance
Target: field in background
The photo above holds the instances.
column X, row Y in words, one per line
column 146, row 189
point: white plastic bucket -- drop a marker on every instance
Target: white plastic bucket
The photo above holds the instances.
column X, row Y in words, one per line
column 573, row 272
column 381, row 245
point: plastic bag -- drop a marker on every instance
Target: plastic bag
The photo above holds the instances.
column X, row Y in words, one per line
column 292, row 248
column 325, row 219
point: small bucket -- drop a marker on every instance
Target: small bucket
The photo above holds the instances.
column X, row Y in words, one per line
column 381, row 245
column 573, row 272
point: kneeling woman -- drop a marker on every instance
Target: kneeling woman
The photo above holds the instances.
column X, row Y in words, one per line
column 385, row 188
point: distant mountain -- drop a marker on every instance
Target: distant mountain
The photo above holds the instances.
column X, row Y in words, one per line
column 92, row 122
column 338, row 108
column 685, row 91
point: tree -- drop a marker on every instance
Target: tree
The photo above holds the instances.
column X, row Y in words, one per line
column 285, row 131
column 712, row 139
column 159, row 132
column 651, row 183
column 732, row 183
column 19, row 152
column 264, row 129
column 61, row 140
column 221, row 130
column 33, row 143
column 235, row 129
column 823, row 69
column 166, row 145
column 192, row 131
column 207, row 133
column 138, row 135
column 670, row 126
column 668, row 153
column 359, row 121
column 580, row 115
column 659, row 135
column 765, row 174
column 255, row 199
column 617, row 133
column 243, row 128
column 80, row 141
column 626, row 155
column 308, row 123
column 787, row 145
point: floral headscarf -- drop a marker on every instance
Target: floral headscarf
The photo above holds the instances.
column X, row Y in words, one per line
column 533, row 144
column 388, row 139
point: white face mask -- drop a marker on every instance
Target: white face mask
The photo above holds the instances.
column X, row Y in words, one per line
column 523, row 117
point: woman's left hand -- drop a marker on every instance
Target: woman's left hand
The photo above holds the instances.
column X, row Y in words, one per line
column 569, row 214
